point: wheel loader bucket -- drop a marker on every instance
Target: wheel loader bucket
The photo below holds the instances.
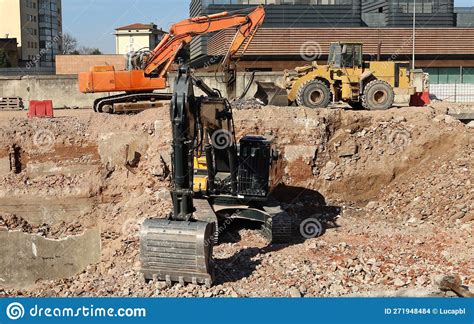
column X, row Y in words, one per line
column 271, row 94
column 177, row 251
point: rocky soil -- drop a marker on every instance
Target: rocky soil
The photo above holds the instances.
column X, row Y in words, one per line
column 401, row 182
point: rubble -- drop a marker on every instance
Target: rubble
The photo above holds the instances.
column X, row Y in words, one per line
column 403, row 179
column 250, row 103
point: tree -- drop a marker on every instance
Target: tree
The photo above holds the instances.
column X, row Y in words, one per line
column 69, row 44
column 4, row 62
column 96, row 51
column 84, row 50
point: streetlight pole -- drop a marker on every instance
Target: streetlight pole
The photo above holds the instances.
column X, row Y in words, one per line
column 414, row 33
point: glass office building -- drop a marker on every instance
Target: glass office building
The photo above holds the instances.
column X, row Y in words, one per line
column 399, row 13
column 283, row 14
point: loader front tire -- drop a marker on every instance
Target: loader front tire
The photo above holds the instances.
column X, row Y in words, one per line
column 378, row 95
column 313, row 94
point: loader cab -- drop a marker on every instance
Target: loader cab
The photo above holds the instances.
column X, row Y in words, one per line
column 345, row 55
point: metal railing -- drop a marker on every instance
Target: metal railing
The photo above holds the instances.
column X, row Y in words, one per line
column 455, row 92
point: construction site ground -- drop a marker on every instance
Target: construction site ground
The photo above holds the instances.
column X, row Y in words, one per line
column 74, row 190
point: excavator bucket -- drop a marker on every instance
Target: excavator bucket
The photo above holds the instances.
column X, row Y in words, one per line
column 177, row 251
column 271, row 94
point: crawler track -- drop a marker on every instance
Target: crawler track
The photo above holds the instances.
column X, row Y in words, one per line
column 109, row 104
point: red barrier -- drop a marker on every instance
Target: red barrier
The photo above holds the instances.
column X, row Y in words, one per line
column 41, row 109
column 420, row 99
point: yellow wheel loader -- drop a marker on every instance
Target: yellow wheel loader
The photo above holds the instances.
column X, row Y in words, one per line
column 374, row 85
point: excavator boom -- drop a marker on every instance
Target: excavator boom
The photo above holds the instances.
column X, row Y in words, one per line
column 248, row 22
column 152, row 76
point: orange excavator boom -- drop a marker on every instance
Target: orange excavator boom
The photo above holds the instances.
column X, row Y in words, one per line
column 158, row 62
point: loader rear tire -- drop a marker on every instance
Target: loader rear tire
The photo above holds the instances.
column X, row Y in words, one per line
column 378, row 95
column 313, row 94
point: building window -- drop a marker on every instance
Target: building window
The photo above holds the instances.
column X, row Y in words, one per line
column 422, row 6
column 30, row 4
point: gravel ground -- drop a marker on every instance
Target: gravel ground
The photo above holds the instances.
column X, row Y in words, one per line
column 402, row 180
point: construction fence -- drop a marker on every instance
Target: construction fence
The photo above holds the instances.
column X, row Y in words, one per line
column 455, row 92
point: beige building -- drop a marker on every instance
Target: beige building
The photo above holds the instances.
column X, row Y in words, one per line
column 132, row 38
column 37, row 26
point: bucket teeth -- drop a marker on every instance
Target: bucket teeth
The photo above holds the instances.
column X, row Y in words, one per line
column 177, row 251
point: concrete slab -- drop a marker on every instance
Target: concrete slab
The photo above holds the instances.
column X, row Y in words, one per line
column 467, row 116
column 27, row 258
column 51, row 168
column 39, row 210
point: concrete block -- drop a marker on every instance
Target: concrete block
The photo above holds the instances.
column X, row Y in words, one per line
column 51, row 168
column 39, row 210
column 27, row 258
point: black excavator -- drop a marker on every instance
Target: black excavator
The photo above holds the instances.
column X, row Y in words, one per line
column 214, row 178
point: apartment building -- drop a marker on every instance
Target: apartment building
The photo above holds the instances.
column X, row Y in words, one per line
column 37, row 26
column 134, row 37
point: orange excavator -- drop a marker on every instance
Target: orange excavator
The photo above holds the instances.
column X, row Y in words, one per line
column 148, row 72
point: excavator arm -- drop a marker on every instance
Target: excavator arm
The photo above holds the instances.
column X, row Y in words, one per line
column 248, row 22
column 153, row 75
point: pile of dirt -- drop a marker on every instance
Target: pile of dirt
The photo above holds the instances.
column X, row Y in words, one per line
column 403, row 179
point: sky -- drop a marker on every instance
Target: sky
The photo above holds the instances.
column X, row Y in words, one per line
column 93, row 22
